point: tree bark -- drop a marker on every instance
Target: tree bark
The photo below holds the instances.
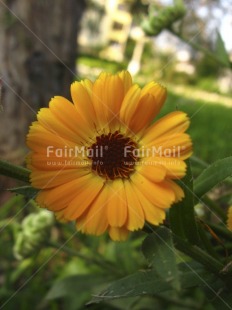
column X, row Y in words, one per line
column 38, row 49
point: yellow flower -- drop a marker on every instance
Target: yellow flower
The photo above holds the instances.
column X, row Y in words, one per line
column 100, row 162
column 229, row 218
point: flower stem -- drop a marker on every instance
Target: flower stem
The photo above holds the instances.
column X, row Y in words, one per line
column 224, row 232
column 206, row 242
column 13, row 171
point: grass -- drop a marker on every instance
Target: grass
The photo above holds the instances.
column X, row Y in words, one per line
column 103, row 64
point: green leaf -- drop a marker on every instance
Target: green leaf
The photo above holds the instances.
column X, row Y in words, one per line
column 13, row 171
column 140, row 283
column 159, row 250
column 181, row 214
column 9, row 204
column 72, row 285
column 147, row 28
column 221, row 52
column 27, row 191
column 222, row 300
column 77, row 289
column 211, row 176
column 146, row 283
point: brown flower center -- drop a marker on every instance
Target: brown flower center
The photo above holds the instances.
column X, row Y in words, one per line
column 112, row 155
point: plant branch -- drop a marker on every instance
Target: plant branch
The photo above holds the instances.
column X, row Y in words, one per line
column 13, row 171
column 223, row 232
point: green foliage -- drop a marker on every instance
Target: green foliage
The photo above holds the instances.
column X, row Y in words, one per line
column 211, row 176
column 101, row 64
column 9, row 19
column 75, row 290
column 27, row 191
column 162, row 18
column 34, row 233
column 208, row 83
column 164, row 278
column 159, row 250
column 207, row 67
column 221, row 52
column 182, row 217
column 16, row 172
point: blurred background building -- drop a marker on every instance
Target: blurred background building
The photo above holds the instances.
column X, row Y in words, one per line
column 111, row 30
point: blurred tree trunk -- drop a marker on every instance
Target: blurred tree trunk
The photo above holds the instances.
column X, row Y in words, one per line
column 38, row 46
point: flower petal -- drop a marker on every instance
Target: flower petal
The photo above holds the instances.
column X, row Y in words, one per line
column 49, row 121
column 158, row 91
column 50, row 163
column 158, row 194
column 117, row 204
column 175, row 167
column 50, row 179
column 179, row 193
column 81, row 96
column 118, row 233
column 176, row 143
column 129, row 103
column 107, row 99
column 39, row 138
column 87, row 190
column 126, row 80
column 65, row 111
column 147, row 108
column 135, row 219
column 153, row 214
column 59, row 197
column 173, row 123
column 96, row 219
column 146, row 102
column 155, row 173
